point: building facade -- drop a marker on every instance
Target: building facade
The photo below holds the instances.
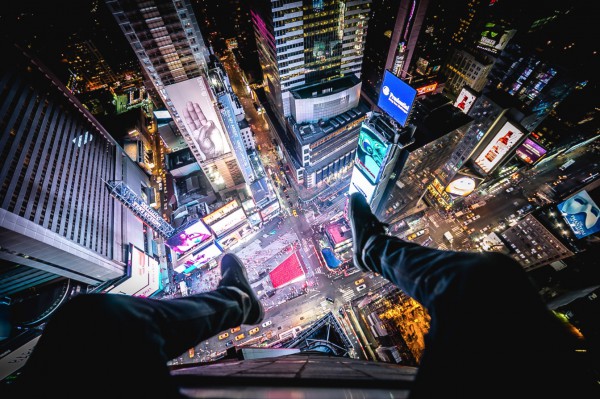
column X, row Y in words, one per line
column 305, row 42
column 467, row 69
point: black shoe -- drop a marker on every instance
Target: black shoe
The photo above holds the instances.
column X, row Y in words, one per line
column 364, row 225
column 233, row 274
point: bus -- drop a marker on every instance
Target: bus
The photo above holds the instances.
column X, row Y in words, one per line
column 183, row 288
column 566, row 164
column 448, row 236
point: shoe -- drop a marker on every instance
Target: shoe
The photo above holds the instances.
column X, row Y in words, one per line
column 233, row 274
column 364, row 225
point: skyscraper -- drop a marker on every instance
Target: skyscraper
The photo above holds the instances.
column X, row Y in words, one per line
column 57, row 220
column 306, row 42
column 391, row 41
column 167, row 40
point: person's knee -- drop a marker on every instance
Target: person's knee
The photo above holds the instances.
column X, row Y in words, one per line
column 94, row 308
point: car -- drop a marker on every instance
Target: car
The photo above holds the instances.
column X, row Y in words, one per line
column 267, row 323
column 361, row 287
column 239, row 337
column 224, row 335
column 328, row 299
column 229, row 343
column 254, row 331
column 235, row 329
column 420, row 232
column 412, row 236
column 359, row 281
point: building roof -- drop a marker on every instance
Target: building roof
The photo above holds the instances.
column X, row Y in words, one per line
column 243, row 124
column 260, row 189
column 287, row 272
column 326, row 88
column 338, row 232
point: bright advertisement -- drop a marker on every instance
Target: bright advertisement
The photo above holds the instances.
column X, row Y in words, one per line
column 145, row 275
column 221, row 212
column 462, row 185
column 190, row 237
column 236, row 237
column 360, row 184
column 203, row 256
column 271, row 208
column 581, row 214
column 396, row 97
column 228, row 222
column 530, row 152
column 427, row 89
column 499, row 147
column 195, row 107
column 494, row 38
column 371, row 153
column 465, row 100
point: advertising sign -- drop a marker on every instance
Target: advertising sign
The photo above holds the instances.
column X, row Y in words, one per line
column 396, row 97
column 581, row 214
column 270, row 210
column 145, row 275
column 360, row 184
column 462, row 185
column 228, row 222
column 494, row 38
column 221, row 212
column 190, row 237
column 371, row 153
column 199, row 258
column 194, row 105
column 427, row 89
column 508, row 136
column 236, row 237
column 530, row 152
column 465, row 100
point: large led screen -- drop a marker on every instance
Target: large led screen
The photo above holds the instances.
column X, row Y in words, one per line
column 530, row 152
column 203, row 256
column 190, row 237
column 581, row 214
column 371, row 153
column 396, row 97
column 228, row 222
column 360, row 184
column 145, row 275
column 221, row 212
column 465, row 100
column 499, row 147
column 195, row 107
column 273, row 207
column 462, row 186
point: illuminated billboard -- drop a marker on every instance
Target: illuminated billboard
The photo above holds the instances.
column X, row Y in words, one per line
column 144, row 279
column 530, row 152
column 228, row 222
column 462, row 185
column 371, row 153
column 190, row 237
column 427, row 89
column 494, row 38
column 236, row 237
column 396, row 97
column 199, row 258
column 581, row 214
column 221, row 212
column 269, row 210
column 465, row 100
column 497, row 149
column 194, row 105
column 360, row 184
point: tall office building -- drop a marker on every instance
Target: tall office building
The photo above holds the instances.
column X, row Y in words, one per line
column 391, row 42
column 307, row 42
column 465, row 68
column 167, row 40
column 89, row 67
column 57, row 220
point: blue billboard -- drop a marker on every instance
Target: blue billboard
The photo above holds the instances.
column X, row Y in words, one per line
column 396, row 97
column 581, row 214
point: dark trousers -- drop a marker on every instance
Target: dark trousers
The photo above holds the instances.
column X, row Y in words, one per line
column 490, row 335
column 105, row 345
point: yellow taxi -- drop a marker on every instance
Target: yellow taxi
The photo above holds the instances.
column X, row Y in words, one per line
column 235, row 329
column 359, row 281
column 241, row 336
column 294, row 213
column 254, row 331
column 223, row 336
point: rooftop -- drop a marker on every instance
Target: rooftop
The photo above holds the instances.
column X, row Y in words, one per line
column 325, row 88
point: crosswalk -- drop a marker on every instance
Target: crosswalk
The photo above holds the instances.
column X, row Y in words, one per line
column 457, row 231
column 347, row 294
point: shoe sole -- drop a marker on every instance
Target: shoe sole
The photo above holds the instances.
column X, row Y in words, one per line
column 252, row 294
column 357, row 262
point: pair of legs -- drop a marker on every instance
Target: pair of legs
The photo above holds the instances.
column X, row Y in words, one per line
column 491, row 335
column 116, row 345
